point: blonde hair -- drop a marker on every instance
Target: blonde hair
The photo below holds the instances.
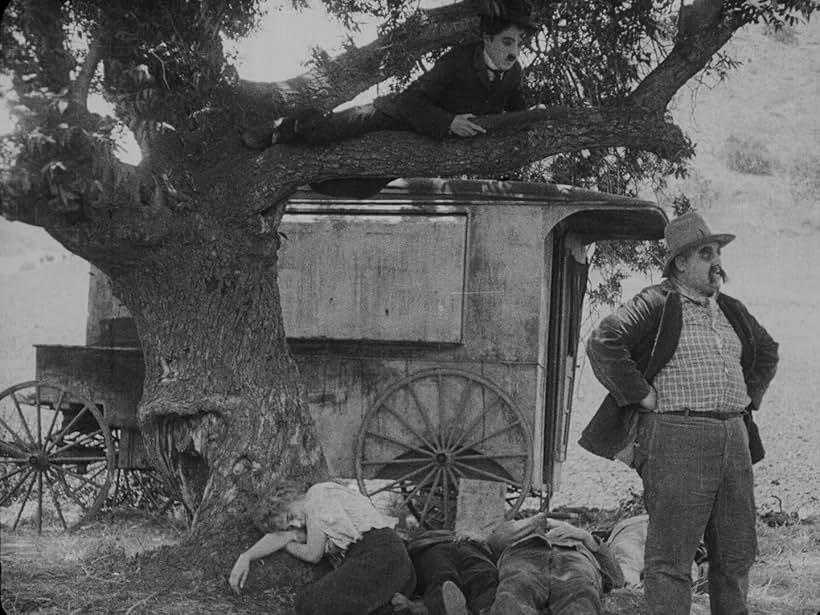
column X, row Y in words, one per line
column 275, row 502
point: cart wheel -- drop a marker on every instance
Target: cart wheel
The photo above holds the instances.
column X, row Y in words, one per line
column 56, row 456
column 434, row 427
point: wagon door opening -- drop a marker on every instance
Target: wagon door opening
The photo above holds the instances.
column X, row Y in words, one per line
column 569, row 280
column 565, row 281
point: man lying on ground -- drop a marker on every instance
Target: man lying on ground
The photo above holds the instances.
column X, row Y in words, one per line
column 542, row 563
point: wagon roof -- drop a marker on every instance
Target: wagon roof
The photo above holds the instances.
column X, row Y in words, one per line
column 480, row 189
column 599, row 214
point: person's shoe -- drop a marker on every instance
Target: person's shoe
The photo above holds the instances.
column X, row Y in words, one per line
column 454, row 601
column 257, row 138
column 282, row 131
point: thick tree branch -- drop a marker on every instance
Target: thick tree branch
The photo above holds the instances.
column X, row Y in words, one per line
column 703, row 28
column 342, row 78
column 512, row 141
column 45, row 21
column 79, row 91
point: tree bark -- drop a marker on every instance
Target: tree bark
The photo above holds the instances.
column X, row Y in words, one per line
column 223, row 411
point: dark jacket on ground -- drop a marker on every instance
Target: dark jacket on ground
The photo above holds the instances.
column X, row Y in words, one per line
column 458, row 83
column 630, row 346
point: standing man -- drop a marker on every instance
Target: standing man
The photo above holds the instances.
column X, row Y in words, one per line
column 470, row 80
column 685, row 365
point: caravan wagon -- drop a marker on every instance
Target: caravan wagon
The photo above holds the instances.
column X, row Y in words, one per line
column 435, row 324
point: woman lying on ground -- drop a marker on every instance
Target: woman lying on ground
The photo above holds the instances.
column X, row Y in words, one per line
column 370, row 561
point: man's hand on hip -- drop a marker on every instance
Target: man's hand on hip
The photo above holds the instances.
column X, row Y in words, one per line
column 650, row 402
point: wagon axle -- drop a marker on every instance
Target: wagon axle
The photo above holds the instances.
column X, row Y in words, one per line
column 39, row 462
column 442, row 458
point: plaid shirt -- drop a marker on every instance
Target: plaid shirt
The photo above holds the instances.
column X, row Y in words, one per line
column 704, row 374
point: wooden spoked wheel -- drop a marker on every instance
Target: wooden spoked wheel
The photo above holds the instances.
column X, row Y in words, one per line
column 56, row 457
column 434, row 427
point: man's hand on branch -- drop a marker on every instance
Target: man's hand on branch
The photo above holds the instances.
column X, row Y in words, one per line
column 463, row 127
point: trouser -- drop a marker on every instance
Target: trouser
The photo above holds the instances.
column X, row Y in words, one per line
column 318, row 128
column 462, row 562
column 373, row 570
column 697, row 477
column 533, row 576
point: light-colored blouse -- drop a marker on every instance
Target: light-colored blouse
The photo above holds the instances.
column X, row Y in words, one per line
column 342, row 514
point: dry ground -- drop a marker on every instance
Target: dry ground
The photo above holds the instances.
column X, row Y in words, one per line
column 92, row 571
column 769, row 107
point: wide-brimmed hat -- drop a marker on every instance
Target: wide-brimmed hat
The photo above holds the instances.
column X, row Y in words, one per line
column 518, row 12
column 689, row 231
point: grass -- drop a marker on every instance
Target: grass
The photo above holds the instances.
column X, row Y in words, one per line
column 95, row 570
column 787, row 573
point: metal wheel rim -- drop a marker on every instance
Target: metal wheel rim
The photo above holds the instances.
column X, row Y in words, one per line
column 427, row 479
column 49, row 462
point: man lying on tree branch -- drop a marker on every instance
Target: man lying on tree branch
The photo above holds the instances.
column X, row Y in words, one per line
column 470, row 80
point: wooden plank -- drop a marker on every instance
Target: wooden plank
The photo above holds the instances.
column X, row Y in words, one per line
column 479, row 508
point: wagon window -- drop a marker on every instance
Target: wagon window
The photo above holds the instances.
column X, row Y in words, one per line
column 381, row 277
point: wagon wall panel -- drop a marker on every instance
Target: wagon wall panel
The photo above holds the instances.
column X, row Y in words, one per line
column 503, row 283
column 519, row 382
column 108, row 376
column 340, row 391
column 373, row 277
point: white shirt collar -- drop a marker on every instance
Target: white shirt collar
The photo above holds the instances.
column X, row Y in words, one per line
column 489, row 61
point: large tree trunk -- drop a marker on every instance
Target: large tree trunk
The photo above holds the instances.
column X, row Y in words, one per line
column 223, row 411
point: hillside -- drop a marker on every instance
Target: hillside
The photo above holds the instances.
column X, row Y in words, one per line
column 762, row 119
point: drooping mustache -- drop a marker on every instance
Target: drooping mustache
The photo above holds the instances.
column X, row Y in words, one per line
column 718, row 271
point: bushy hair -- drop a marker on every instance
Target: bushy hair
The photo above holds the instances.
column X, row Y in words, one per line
column 275, row 502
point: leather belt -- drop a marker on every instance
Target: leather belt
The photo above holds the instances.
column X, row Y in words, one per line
column 720, row 416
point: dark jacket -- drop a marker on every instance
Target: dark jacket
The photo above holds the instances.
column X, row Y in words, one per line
column 458, row 83
column 630, row 346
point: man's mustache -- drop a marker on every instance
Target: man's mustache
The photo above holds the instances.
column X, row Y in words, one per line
column 718, row 271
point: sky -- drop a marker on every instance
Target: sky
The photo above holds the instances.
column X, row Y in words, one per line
column 282, row 45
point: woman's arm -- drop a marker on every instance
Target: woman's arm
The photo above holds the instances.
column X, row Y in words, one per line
column 313, row 548
column 269, row 543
